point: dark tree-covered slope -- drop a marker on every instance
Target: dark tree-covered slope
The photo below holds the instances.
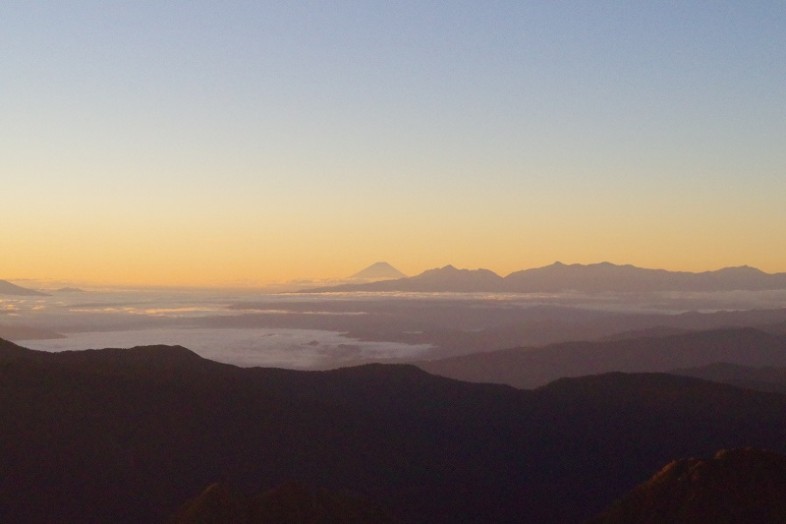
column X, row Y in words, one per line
column 126, row 436
column 740, row 486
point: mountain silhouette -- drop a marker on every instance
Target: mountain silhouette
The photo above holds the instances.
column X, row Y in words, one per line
column 627, row 278
column 377, row 271
column 760, row 378
column 560, row 277
column 445, row 279
column 739, row 486
column 128, row 436
column 533, row 367
column 7, row 288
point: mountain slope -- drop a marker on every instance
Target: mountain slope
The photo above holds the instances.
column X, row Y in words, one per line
column 527, row 368
column 766, row 378
column 128, row 436
column 627, row 278
column 741, row 486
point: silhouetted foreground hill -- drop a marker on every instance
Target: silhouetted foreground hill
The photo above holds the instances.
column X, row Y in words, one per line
column 533, row 367
column 576, row 277
column 289, row 503
column 741, row 486
column 128, row 436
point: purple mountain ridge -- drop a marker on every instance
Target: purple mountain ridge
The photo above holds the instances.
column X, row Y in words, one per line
column 445, row 279
column 559, row 277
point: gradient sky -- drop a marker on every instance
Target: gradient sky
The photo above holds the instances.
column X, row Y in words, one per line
column 227, row 143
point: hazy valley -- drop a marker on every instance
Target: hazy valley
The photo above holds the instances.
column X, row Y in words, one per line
column 308, row 330
column 434, row 406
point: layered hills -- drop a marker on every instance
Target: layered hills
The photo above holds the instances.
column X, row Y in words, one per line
column 760, row 378
column 534, row 367
column 560, row 277
column 130, row 435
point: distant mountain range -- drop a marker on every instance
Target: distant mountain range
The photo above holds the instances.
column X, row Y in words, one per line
column 575, row 277
column 534, row 367
column 7, row 288
column 761, row 378
column 125, row 436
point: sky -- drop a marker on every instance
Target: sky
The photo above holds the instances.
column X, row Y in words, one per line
column 248, row 142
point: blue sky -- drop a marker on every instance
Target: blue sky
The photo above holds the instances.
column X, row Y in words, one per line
column 257, row 141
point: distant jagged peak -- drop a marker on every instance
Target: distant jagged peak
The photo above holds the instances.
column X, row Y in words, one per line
column 69, row 289
column 450, row 271
column 740, row 270
column 602, row 276
column 730, row 270
column 578, row 266
column 450, row 268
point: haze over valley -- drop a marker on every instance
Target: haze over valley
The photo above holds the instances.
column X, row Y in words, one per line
column 428, row 316
column 561, row 397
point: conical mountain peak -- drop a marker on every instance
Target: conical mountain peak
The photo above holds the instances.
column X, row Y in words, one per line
column 378, row 271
